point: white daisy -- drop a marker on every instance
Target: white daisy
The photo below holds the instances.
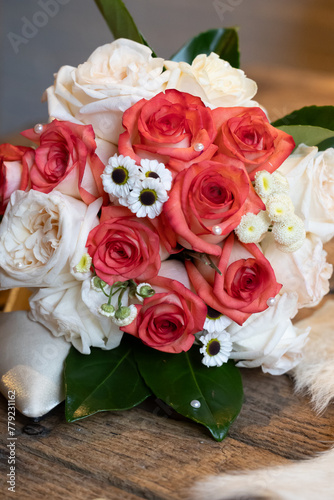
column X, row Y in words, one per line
column 125, row 315
column 215, row 321
column 155, row 170
column 147, row 198
column 120, row 175
column 216, row 348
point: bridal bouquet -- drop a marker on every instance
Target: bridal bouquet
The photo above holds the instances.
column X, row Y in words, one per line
column 168, row 230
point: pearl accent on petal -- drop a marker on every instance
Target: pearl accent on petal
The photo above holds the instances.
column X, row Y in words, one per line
column 195, row 403
column 198, row 146
column 217, row 230
column 19, row 265
column 271, row 301
column 38, row 128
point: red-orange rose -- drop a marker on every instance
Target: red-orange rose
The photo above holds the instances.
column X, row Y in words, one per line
column 246, row 134
column 15, row 162
column 206, row 195
column 169, row 320
column 173, row 127
column 123, row 247
column 246, row 283
column 66, row 160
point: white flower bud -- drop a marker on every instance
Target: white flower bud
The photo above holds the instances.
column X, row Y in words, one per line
column 281, row 183
column 125, row 315
column 290, row 231
column 264, row 184
column 279, row 207
column 291, row 248
column 252, row 227
column 107, row 310
column 143, row 291
column 97, row 284
column 84, row 265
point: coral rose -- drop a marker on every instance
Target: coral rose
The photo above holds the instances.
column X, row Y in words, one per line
column 169, row 320
column 205, row 204
column 246, row 282
column 123, row 247
column 15, row 162
column 173, row 127
column 65, row 160
column 246, row 134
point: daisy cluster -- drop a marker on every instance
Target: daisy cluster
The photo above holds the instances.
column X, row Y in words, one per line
column 142, row 188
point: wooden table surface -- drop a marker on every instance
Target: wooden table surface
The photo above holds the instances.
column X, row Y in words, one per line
column 146, row 454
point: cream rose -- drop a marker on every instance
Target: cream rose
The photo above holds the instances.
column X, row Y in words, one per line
column 304, row 271
column 215, row 81
column 311, row 178
column 115, row 77
column 42, row 238
column 71, row 311
column 269, row 339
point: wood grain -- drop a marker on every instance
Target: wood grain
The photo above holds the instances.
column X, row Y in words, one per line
column 146, row 454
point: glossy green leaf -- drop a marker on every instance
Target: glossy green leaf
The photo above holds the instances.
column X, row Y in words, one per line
column 178, row 379
column 223, row 42
column 317, row 116
column 327, row 143
column 102, row 380
column 307, row 134
column 120, row 21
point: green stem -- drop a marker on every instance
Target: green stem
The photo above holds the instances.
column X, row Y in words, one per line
column 102, row 288
column 205, row 258
column 120, row 298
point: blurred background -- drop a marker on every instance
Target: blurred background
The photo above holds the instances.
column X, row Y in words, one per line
column 283, row 42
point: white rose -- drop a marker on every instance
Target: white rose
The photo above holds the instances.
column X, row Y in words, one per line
column 311, row 178
column 268, row 339
column 304, row 271
column 42, row 237
column 215, row 81
column 71, row 311
column 116, row 76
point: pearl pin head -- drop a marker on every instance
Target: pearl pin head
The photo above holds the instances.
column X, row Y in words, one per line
column 217, row 230
column 271, row 301
column 195, row 403
column 198, row 146
column 38, row 128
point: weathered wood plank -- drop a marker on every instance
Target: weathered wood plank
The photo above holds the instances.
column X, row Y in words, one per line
column 156, row 457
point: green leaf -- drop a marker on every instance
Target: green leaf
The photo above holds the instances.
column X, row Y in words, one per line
column 120, row 21
column 306, row 134
column 317, row 116
column 178, row 379
column 223, row 42
column 102, row 380
column 327, row 143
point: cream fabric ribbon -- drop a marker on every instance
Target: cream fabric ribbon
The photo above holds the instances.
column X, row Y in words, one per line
column 31, row 364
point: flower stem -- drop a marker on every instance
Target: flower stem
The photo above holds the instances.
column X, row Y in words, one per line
column 205, row 258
